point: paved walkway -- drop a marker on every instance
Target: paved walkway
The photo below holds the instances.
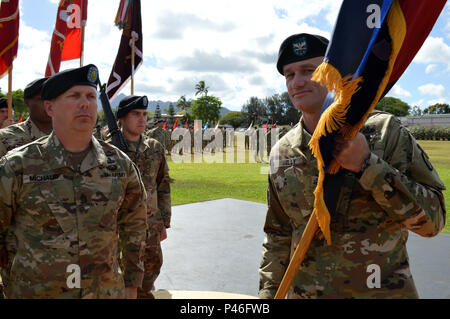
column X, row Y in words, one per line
column 216, row 246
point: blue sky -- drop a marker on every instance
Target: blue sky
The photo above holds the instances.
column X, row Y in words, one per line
column 229, row 45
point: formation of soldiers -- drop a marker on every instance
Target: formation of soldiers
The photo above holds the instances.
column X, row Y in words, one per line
column 216, row 140
column 81, row 219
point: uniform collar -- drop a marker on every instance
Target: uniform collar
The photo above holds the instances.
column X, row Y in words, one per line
column 33, row 130
column 301, row 136
column 141, row 145
column 56, row 154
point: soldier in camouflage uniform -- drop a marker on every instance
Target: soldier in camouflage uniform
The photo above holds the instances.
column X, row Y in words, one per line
column 37, row 125
column 158, row 133
column 75, row 203
column 4, row 121
column 389, row 187
column 148, row 155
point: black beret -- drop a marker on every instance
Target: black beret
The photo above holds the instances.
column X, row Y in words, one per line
column 130, row 103
column 63, row 81
column 34, row 88
column 299, row 47
column 3, row 103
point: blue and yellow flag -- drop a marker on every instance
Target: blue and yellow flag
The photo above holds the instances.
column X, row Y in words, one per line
column 373, row 43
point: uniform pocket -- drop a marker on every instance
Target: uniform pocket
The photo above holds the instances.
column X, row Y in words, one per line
column 295, row 186
column 108, row 219
column 58, row 197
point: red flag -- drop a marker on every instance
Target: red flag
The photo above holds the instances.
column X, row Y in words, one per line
column 9, row 26
column 165, row 126
column 21, row 119
column 66, row 39
column 175, row 125
column 265, row 126
column 186, row 124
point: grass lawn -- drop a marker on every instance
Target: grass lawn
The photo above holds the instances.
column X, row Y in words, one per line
column 439, row 153
column 197, row 182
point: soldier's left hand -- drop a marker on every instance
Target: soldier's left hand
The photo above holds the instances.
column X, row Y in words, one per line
column 351, row 154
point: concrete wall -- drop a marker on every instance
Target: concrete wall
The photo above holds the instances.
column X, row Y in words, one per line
column 426, row 120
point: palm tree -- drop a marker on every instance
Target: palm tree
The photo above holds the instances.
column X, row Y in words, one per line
column 183, row 104
column 201, row 88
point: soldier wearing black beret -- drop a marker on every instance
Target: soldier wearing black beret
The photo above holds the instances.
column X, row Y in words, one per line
column 38, row 124
column 88, row 199
column 148, row 155
column 129, row 103
column 4, row 122
column 299, row 47
column 367, row 256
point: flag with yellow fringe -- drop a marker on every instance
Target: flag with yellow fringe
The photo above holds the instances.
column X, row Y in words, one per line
column 373, row 42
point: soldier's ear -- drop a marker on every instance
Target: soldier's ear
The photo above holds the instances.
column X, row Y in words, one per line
column 48, row 106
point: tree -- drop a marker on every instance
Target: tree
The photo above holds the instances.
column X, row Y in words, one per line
column 206, row 108
column 393, row 105
column 170, row 111
column 20, row 108
column 183, row 104
column 292, row 114
column 254, row 110
column 157, row 112
column 274, row 108
column 415, row 111
column 201, row 88
column 101, row 119
column 235, row 119
column 438, row 108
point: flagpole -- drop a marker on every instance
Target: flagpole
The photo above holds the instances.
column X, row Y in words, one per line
column 297, row 257
column 82, row 46
column 10, row 92
column 132, row 61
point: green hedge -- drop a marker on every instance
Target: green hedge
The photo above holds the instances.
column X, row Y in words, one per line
column 437, row 133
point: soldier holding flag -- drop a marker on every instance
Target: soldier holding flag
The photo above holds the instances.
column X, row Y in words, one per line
column 389, row 187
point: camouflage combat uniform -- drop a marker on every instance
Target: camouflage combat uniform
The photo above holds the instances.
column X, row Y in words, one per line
column 11, row 137
column 399, row 191
column 148, row 155
column 65, row 215
column 158, row 134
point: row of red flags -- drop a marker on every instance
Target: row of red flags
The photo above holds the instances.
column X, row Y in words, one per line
column 67, row 38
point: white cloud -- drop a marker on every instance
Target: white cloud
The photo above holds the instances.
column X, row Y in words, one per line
column 430, row 68
column 438, row 100
column 398, row 91
column 437, row 90
column 434, row 50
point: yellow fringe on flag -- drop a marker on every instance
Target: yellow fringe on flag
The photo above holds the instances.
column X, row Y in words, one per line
column 334, row 117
